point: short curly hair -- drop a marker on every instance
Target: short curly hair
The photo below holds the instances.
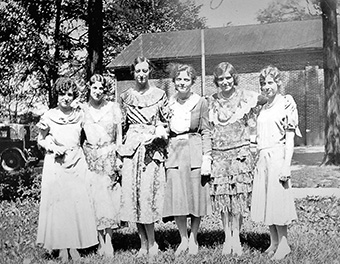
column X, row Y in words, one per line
column 271, row 71
column 175, row 70
column 63, row 84
column 224, row 67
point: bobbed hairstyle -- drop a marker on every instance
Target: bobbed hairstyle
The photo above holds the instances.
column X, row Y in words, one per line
column 96, row 78
column 224, row 67
column 271, row 71
column 176, row 69
column 63, row 84
column 138, row 60
column 99, row 78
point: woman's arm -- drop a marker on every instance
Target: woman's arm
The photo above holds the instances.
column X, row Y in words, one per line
column 289, row 150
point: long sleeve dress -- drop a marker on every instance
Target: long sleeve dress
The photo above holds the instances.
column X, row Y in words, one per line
column 190, row 139
column 101, row 129
column 66, row 216
column 272, row 201
column 143, row 173
column 233, row 163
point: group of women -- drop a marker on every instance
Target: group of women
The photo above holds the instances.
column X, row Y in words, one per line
column 150, row 158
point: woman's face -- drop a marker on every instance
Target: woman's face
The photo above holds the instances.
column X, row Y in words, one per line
column 183, row 82
column 142, row 72
column 269, row 87
column 65, row 99
column 97, row 91
column 225, row 81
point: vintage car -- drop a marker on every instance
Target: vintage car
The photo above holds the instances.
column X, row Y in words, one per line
column 18, row 147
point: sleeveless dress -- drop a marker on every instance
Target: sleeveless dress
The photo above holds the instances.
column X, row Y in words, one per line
column 272, row 202
column 100, row 151
column 190, row 139
column 233, row 163
column 66, row 216
column 143, row 173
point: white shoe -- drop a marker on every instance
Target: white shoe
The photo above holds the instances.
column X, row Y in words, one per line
column 193, row 246
column 153, row 251
column 226, row 250
column 282, row 250
column 182, row 247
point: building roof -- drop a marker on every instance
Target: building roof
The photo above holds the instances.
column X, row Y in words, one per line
column 232, row 40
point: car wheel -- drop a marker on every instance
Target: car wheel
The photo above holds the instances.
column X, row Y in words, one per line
column 11, row 160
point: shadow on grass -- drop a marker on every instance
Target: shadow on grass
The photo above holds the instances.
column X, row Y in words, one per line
column 170, row 239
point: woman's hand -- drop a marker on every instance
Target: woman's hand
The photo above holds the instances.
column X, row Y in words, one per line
column 161, row 132
column 206, row 165
column 59, row 150
column 284, row 174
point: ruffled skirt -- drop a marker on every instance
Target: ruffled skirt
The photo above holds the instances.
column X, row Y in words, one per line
column 232, row 178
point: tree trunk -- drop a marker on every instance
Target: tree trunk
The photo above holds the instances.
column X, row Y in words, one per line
column 95, row 45
column 331, row 82
column 53, row 72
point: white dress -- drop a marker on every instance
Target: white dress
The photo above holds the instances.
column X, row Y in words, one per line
column 272, row 201
column 66, row 216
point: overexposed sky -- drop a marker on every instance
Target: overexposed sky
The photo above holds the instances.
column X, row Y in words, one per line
column 238, row 12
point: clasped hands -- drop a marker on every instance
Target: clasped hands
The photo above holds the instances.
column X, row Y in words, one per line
column 284, row 175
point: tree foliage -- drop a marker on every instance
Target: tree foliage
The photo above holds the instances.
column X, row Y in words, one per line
column 125, row 20
column 33, row 54
column 288, row 10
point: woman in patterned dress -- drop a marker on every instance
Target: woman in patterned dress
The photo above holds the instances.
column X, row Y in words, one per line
column 102, row 127
column 231, row 112
column 66, row 217
column 146, row 113
column 189, row 160
column 272, row 202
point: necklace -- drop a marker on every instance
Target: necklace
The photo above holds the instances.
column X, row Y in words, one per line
column 222, row 96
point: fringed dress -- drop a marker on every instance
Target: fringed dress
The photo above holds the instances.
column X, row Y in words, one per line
column 272, row 202
column 233, row 163
column 101, row 128
column 143, row 173
column 66, row 216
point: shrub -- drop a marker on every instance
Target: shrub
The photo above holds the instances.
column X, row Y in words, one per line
column 20, row 184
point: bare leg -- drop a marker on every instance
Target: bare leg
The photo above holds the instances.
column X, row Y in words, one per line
column 283, row 248
column 150, row 233
column 74, row 254
column 193, row 243
column 181, row 222
column 274, row 240
column 108, row 249
column 227, row 232
column 143, row 240
column 237, row 248
column 63, row 255
column 101, row 238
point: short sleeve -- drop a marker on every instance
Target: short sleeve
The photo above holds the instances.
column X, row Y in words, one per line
column 118, row 116
column 291, row 114
column 43, row 124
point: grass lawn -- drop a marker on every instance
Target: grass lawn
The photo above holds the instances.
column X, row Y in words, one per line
column 307, row 172
column 314, row 238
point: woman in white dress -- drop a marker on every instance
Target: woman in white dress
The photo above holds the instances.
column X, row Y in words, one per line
column 272, row 200
column 66, row 217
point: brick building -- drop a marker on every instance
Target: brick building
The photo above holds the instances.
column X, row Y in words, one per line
column 294, row 47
